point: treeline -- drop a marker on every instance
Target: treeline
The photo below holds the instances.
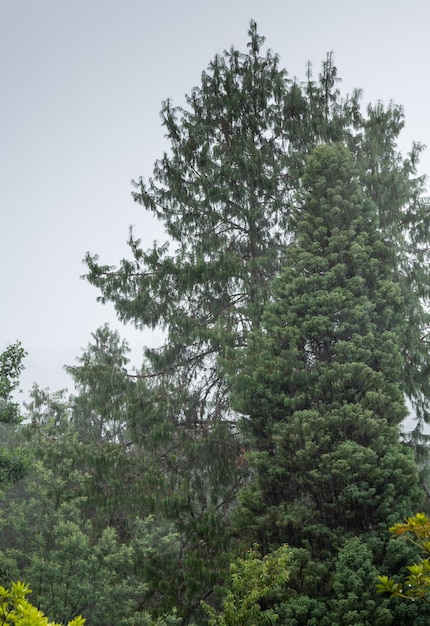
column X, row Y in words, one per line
column 249, row 470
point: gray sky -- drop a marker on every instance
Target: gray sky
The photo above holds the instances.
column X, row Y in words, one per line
column 81, row 86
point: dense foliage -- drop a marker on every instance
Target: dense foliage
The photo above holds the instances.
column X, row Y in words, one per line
column 319, row 384
column 16, row 610
column 253, row 583
column 226, row 194
column 292, row 290
column 13, row 460
column 416, row 585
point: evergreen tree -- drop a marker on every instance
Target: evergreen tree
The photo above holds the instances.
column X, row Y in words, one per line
column 100, row 412
column 89, row 428
column 227, row 172
column 319, row 386
column 56, row 531
column 117, row 483
column 103, row 388
column 226, row 195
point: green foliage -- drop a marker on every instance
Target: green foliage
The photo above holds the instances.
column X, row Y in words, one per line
column 227, row 194
column 416, row 585
column 101, row 412
column 16, row 610
column 354, row 586
column 11, row 366
column 73, row 566
column 293, row 290
column 220, row 195
column 13, row 456
column 82, row 443
column 104, row 389
column 13, row 464
column 254, row 581
column 319, row 388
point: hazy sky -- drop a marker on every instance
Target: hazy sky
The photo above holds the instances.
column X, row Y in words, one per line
column 81, row 86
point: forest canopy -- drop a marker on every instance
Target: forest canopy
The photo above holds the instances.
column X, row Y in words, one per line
column 251, row 467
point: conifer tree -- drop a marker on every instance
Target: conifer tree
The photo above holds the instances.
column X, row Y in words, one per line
column 225, row 193
column 77, row 527
column 90, row 429
column 100, row 412
column 319, row 385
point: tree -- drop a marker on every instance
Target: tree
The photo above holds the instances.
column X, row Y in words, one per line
column 218, row 285
column 15, row 609
column 416, row 585
column 318, row 386
column 77, row 527
column 11, row 366
column 226, row 195
column 12, row 455
column 74, row 566
column 90, row 466
column 101, row 412
column 102, row 388
column 254, row 581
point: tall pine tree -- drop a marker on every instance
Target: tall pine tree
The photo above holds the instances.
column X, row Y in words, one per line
column 226, row 195
column 320, row 387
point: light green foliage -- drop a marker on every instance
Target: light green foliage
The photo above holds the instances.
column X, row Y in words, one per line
column 16, row 610
column 253, row 583
column 416, row 585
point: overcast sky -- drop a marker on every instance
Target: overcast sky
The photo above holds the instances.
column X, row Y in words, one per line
column 82, row 82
